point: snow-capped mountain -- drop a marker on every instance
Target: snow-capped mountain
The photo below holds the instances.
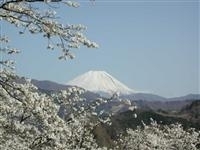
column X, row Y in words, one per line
column 100, row 82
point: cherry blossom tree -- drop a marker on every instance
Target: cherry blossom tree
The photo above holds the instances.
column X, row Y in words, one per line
column 164, row 137
column 28, row 118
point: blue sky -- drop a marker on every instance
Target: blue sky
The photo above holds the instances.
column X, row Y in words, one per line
column 147, row 45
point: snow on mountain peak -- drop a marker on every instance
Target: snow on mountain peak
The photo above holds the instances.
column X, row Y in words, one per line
column 100, row 82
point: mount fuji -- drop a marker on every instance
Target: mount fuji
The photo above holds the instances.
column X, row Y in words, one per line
column 100, row 82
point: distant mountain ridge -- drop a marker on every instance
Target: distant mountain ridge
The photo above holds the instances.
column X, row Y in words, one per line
column 154, row 97
column 53, row 86
column 186, row 97
column 49, row 85
column 142, row 100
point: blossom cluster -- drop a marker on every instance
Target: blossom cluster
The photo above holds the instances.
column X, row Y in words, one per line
column 163, row 137
column 29, row 120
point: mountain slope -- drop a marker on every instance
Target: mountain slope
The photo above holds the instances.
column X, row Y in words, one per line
column 192, row 111
column 49, row 85
column 145, row 96
column 100, row 82
column 186, row 97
